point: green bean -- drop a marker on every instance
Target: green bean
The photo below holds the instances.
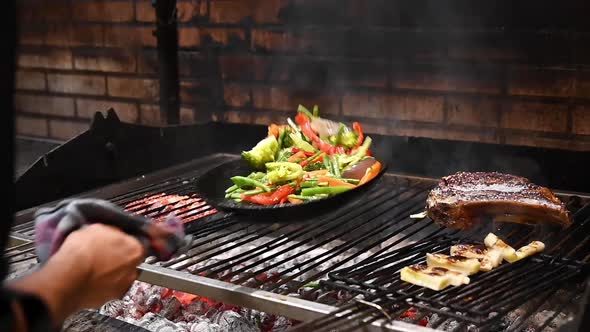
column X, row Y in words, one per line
column 309, row 184
column 253, row 192
column 305, row 198
column 336, row 166
column 242, row 182
column 324, row 190
column 230, row 189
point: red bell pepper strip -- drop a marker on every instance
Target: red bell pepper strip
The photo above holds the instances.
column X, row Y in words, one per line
column 270, row 198
column 305, row 125
column 359, row 131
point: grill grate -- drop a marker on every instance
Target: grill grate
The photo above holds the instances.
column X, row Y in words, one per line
column 487, row 299
column 290, row 257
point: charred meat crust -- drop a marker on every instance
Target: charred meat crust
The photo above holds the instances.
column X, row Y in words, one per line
column 465, row 199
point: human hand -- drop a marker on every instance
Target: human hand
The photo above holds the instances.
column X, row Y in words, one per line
column 94, row 265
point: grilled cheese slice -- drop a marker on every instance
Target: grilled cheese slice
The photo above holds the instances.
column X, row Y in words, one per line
column 508, row 253
column 435, row 278
column 489, row 258
column 459, row 264
column 530, row 249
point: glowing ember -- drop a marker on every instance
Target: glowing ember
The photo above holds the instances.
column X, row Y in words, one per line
column 188, row 208
column 157, row 309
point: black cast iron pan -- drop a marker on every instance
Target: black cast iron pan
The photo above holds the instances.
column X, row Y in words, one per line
column 212, row 185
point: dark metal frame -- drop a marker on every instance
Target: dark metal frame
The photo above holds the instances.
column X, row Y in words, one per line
column 167, row 36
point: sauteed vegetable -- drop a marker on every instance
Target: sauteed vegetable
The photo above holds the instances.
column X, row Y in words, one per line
column 306, row 159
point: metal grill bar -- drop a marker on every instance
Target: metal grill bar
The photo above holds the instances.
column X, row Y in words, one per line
column 290, row 255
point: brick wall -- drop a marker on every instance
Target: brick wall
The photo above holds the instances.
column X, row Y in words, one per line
column 490, row 71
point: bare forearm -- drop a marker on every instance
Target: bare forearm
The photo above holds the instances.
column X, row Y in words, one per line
column 58, row 284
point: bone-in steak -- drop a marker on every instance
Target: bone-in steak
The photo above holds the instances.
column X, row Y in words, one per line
column 464, row 199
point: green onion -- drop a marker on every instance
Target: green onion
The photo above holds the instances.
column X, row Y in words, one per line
column 302, row 109
column 293, row 125
column 316, row 111
column 351, row 181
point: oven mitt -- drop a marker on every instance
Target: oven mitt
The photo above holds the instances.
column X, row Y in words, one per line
column 54, row 224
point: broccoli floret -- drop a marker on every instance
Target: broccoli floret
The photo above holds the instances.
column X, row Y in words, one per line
column 262, row 153
column 314, row 166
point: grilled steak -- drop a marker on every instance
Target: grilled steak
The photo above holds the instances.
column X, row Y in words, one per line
column 464, row 199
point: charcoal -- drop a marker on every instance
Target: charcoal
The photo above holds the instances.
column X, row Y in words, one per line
column 281, row 324
column 184, row 326
column 154, row 322
column 205, row 326
column 135, row 312
column 170, row 308
column 231, row 321
column 113, row 308
column 197, row 308
column 154, row 303
column 137, row 293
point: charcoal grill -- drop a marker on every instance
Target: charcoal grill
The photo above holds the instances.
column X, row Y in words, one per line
column 275, row 266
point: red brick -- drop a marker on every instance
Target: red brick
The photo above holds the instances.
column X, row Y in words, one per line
column 129, row 36
column 147, row 62
column 150, row 115
column 473, row 111
column 240, row 67
column 43, row 11
column 127, row 112
column 398, row 107
column 133, row 88
column 581, row 120
column 196, row 37
column 190, row 10
column 31, row 35
column 30, row 80
column 52, row 59
column 74, row 35
column 51, row 105
column 531, row 82
column 535, row 116
column 186, row 11
column 583, row 84
column 105, row 60
column 236, row 11
column 103, row 11
column 189, row 37
column 420, row 79
column 65, row 130
column 486, row 53
column 187, row 115
column 282, row 99
column 537, row 140
column 29, row 126
column 439, row 132
column 260, row 118
column 475, row 79
column 82, row 84
column 282, row 41
column 194, row 92
column 236, row 95
column 144, row 11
